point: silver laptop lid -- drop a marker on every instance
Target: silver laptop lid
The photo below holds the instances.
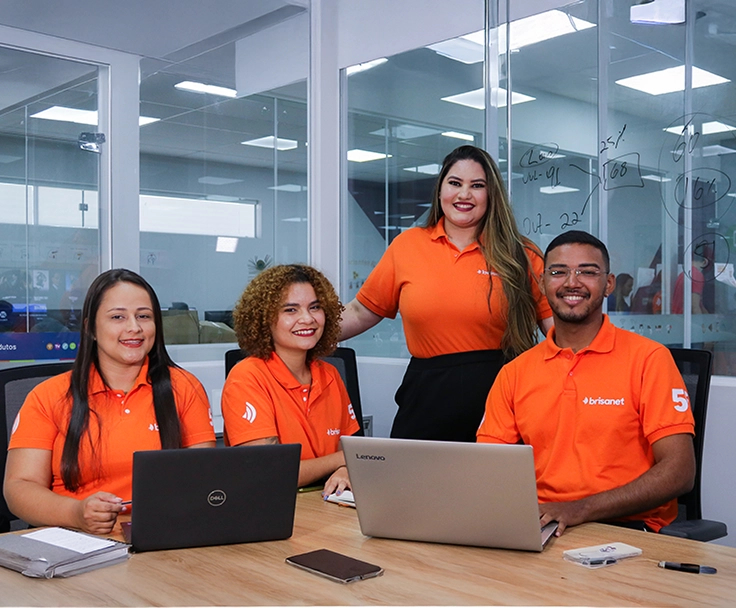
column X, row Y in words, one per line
column 446, row 492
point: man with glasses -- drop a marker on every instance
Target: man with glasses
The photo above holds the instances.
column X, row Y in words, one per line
column 605, row 409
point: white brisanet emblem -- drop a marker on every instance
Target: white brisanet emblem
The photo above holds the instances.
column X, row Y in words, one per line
column 250, row 412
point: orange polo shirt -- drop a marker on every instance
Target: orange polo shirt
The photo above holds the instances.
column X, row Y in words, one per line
column 591, row 416
column 263, row 399
column 125, row 423
column 442, row 293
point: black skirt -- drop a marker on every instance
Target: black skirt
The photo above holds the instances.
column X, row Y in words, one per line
column 444, row 397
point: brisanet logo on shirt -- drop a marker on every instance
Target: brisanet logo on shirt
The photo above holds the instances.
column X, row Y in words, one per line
column 604, row 401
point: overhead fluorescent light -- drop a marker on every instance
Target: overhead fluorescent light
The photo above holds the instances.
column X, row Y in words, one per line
column 458, row 135
column 280, row 143
column 557, row 189
column 709, row 128
column 62, row 114
column 670, row 80
column 364, row 156
column 433, row 169
column 658, row 12
column 524, row 32
column 80, row 117
column 541, row 27
column 717, row 150
column 476, row 99
column 657, row 178
column 211, row 180
column 209, row 89
column 288, row 188
column 362, row 67
column 226, row 244
column 294, row 219
column 406, row 132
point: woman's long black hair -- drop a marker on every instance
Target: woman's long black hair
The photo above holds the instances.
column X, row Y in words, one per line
column 159, row 375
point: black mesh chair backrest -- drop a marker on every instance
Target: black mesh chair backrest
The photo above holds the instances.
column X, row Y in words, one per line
column 343, row 359
column 695, row 368
column 15, row 384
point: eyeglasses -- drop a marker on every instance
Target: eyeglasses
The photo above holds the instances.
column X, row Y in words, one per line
column 584, row 274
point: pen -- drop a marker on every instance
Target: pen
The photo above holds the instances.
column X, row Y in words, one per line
column 692, row 568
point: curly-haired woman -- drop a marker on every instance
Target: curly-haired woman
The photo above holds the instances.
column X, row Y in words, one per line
column 286, row 319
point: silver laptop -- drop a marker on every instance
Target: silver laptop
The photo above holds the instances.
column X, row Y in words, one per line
column 213, row 496
column 446, row 492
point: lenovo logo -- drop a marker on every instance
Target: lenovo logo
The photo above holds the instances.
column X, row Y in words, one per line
column 369, row 457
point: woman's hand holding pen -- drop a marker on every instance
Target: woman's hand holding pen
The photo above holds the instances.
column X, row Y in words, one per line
column 98, row 513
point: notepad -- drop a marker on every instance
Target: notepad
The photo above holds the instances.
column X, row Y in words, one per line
column 345, row 499
column 57, row 552
column 601, row 555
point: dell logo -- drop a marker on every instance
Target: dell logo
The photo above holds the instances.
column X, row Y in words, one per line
column 216, row 498
column 369, row 457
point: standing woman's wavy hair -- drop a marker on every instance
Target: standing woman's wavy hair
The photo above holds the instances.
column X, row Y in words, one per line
column 159, row 375
column 506, row 251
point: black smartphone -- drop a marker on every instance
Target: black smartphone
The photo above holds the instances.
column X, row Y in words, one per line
column 334, row 566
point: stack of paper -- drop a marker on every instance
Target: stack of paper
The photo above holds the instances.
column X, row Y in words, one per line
column 345, row 499
column 56, row 552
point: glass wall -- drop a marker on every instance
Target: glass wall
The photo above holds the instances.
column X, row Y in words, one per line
column 223, row 187
column 405, row 114
column 622, row 122
column 49, row 241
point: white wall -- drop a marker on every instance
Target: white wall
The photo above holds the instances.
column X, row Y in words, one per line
column 719, row 455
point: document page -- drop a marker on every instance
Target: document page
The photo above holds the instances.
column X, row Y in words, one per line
column 67, row 539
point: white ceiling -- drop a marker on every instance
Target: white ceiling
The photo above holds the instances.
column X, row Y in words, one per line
column 150, row 28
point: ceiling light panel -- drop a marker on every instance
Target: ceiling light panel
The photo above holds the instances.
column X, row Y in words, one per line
column 364, row 156
column 671, row 80
column 209, row 89
column 280, row 143
column 476, row 99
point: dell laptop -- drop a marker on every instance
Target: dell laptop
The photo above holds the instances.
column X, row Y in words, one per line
column 475, row 494
column 213, row 496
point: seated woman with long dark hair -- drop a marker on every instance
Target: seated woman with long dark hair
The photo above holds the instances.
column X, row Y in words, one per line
column 70, row 456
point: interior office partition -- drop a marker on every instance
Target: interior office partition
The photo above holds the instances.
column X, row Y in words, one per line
column 611, row 117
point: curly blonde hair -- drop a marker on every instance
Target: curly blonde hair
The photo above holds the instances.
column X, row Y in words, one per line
column 258, row 308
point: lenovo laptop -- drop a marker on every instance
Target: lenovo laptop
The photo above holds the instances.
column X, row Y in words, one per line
column 213, row 496
column 446, row 492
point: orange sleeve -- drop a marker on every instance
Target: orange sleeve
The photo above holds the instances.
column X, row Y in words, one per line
column 37, row 424
column 247, row 405
column 664, row 404
column 193, row 407
column 380, row 292
column 499, row 422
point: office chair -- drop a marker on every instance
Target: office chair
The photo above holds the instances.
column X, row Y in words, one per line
column 695, row 367
column 15, row 384
column 343, row 359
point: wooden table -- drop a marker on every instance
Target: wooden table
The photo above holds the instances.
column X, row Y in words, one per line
column 415, row 573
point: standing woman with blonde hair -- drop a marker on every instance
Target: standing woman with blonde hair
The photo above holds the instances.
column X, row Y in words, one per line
column 466, row 288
